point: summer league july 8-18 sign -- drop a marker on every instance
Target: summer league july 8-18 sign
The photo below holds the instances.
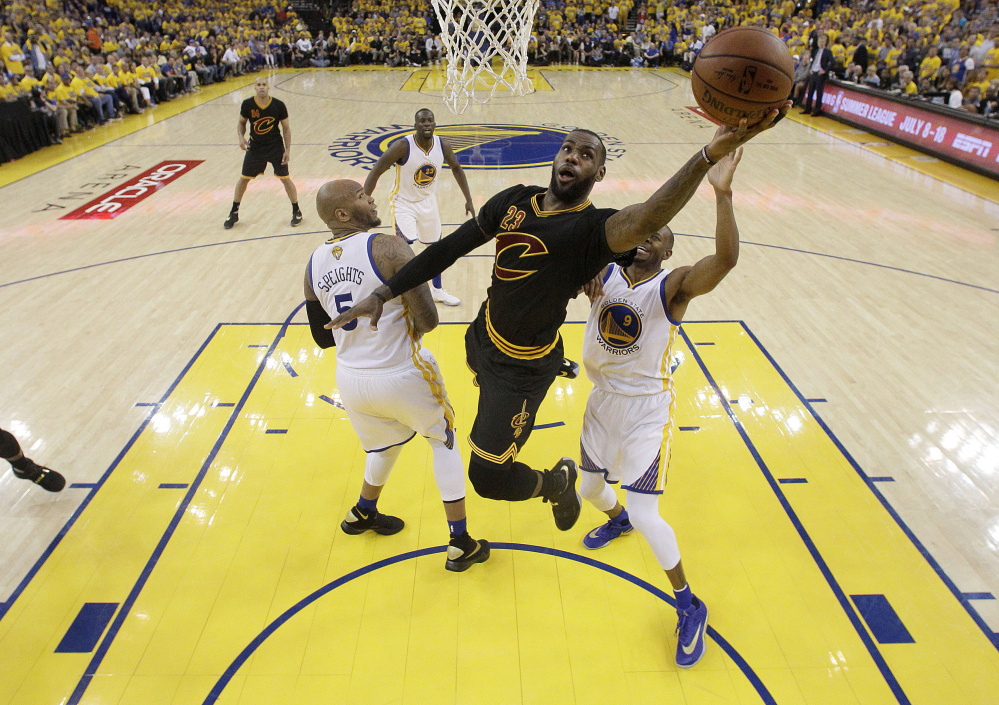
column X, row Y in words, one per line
column 118, row 200
column 478, row 146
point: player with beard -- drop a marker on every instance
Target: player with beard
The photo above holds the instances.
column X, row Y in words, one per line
column 549, row 243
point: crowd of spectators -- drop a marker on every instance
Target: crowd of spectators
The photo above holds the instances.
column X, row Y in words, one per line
column 81, row 64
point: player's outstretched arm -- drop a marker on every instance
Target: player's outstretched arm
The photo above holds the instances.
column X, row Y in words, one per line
column 630, row 226
column 420, row 269
column 395, row 152
column 709, row 271
column 459, row 175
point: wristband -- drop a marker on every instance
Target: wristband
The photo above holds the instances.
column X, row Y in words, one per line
column 378, row 296
column 705, row 157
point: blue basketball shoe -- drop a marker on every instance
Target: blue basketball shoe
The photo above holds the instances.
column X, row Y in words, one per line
column 690, row 628
column 605, row 533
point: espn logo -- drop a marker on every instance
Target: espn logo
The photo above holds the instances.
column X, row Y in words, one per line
column 972, row 145
column 115, row 202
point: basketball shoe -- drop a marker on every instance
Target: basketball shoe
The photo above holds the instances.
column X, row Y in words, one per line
column 296, row 218
column 569, row 368
column 231, row 220
column 45, row 478
column 605, row 533
column 690, row 628
column 566, row 502
column 442, row 296
column 463, row 552
column 358, row 521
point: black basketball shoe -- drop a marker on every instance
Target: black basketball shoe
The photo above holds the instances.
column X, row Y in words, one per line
column 358, row 521
column 568, row 369
column 231, row 220
column 296, row 218
column 45, row 478
column 566, row 502
column 463, row 552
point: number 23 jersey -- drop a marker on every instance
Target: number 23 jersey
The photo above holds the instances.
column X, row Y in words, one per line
column 542, row 259
column 629, row 335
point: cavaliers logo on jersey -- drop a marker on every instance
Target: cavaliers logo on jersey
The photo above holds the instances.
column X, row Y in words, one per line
column 620, row 325
column 425, row 175
column 522, row 246
column 263, row 125
column 520, row 420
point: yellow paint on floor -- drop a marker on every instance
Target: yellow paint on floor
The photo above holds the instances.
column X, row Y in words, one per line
column 239, row 587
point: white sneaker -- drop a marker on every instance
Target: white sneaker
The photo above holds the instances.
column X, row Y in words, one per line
column 441, row 296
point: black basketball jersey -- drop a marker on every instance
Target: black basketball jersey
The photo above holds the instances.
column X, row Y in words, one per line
column 264, row 132
column 542, row 259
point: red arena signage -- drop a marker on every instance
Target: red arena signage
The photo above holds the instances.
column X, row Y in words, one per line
column 968, row 143
column 115, row 202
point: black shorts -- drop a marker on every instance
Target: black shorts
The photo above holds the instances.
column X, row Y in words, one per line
column 510, row 392
column 256, row 159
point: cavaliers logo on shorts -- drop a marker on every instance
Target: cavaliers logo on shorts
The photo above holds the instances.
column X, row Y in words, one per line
column 425, row 175
column 620, row 326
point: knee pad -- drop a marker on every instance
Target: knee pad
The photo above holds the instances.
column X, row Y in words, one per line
column 486, row 478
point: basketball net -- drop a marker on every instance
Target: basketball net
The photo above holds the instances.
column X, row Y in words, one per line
column 478, row 33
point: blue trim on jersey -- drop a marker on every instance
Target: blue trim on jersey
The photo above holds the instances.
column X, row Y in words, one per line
column 312, row 281
column 607, row 274
column 402, row 443
column 638, row 284
column 371, row 259
column 406, row 157
column 662, row 297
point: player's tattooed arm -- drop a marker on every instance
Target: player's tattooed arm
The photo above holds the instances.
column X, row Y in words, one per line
column 390, row 253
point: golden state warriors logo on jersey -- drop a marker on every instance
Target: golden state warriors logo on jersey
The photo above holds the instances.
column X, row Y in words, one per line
column 620, row 326
column 425, row 175
column 486, row 146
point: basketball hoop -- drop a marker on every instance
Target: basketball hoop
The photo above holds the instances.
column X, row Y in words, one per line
column 474, row 34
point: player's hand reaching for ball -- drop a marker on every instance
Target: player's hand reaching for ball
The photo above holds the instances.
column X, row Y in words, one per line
column 730, row 137
column 370, row 307
column 720, row 175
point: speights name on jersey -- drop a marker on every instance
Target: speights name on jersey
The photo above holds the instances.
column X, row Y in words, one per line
column 340, row 274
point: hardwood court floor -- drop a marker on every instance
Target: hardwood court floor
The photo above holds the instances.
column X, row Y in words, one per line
column 832, row 484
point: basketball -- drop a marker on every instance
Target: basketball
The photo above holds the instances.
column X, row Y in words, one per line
column 742, row 72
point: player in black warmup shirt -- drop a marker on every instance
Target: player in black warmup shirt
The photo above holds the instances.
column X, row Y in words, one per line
column 266, row 145
column 549, row 243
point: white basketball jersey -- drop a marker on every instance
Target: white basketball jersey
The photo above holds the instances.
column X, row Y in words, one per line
column 417, row 177
column 626, row 345
column 342, row 272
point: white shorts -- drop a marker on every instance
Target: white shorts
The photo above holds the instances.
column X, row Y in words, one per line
column 388, row 407
column 417, row 220
column 628, row 439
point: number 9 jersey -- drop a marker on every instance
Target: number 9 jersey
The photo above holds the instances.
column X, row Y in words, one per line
column 628, row 337
column 342, row 272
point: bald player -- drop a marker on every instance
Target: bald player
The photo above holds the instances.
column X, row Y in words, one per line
column 390, row 386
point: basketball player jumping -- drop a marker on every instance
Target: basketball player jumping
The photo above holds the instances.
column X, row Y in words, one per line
column 418, row 159
column 266, row 145
column 549, row 243
column 634, row 317
column 390, row 386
